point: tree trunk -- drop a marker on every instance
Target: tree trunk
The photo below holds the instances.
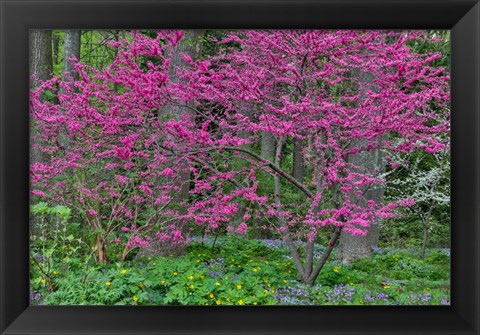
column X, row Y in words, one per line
column 425, row 221
column 323, row 259
column 41, row 67
column 425, row 239
column 41, row 55
column 101, row 250
column 267, row 150
column 71, row 50
column 369, row 162
column 354, row 247
column 190, row 44
column 298, row 168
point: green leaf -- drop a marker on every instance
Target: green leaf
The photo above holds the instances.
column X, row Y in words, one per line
column 41, row 207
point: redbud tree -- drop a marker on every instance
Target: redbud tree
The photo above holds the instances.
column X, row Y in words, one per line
column 118, row 147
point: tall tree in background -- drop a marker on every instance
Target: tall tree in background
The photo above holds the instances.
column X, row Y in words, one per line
column 189, row 45
column 298, row 164
column 268, row 145
column 366, row 161
column 71, row 50
column 373, row 161
column 71, row 55
column 353, row 247
column 40, row 55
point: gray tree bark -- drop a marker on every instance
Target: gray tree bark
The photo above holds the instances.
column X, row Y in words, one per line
column 190, row 44
column 354, row 247
column 267, row 145
column 41, row 62
column 298, row 168
column 71, row 50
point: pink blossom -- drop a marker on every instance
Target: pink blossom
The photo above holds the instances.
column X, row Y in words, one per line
column 39, row 193
column 242, row 228
column 167, row 172
column 92, row 212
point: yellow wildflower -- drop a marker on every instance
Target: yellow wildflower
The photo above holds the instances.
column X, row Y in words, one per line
column 228, row 299
column 336, row 269
column 192, row 286
column 285, row 280
column 123, row 271
column 43, row 281
column 175, row 273
column 55, row 273
column 108, row 283
column 240, row 302
column 255, row 303
column 190, row 277
column 164, row 281
column 135, row 298
column 201, row 277
column 211, row 296
column 386, row 287
column 140, row 285
column 218, row 302
column 217, row 283
column 255, row 270
column 239, row 286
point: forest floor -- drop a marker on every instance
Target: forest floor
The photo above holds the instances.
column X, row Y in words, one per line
column 237, row 271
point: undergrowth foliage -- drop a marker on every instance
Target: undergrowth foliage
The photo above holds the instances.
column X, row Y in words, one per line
column 236, row 272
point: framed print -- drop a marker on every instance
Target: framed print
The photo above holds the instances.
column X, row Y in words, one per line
column 239, row 167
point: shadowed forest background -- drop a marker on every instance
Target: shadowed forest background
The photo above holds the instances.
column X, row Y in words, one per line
column 208, row 167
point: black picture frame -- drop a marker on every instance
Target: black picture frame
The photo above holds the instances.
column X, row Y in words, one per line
column 18, row 16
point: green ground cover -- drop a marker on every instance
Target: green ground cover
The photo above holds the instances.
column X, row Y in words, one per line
column 238, row 271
